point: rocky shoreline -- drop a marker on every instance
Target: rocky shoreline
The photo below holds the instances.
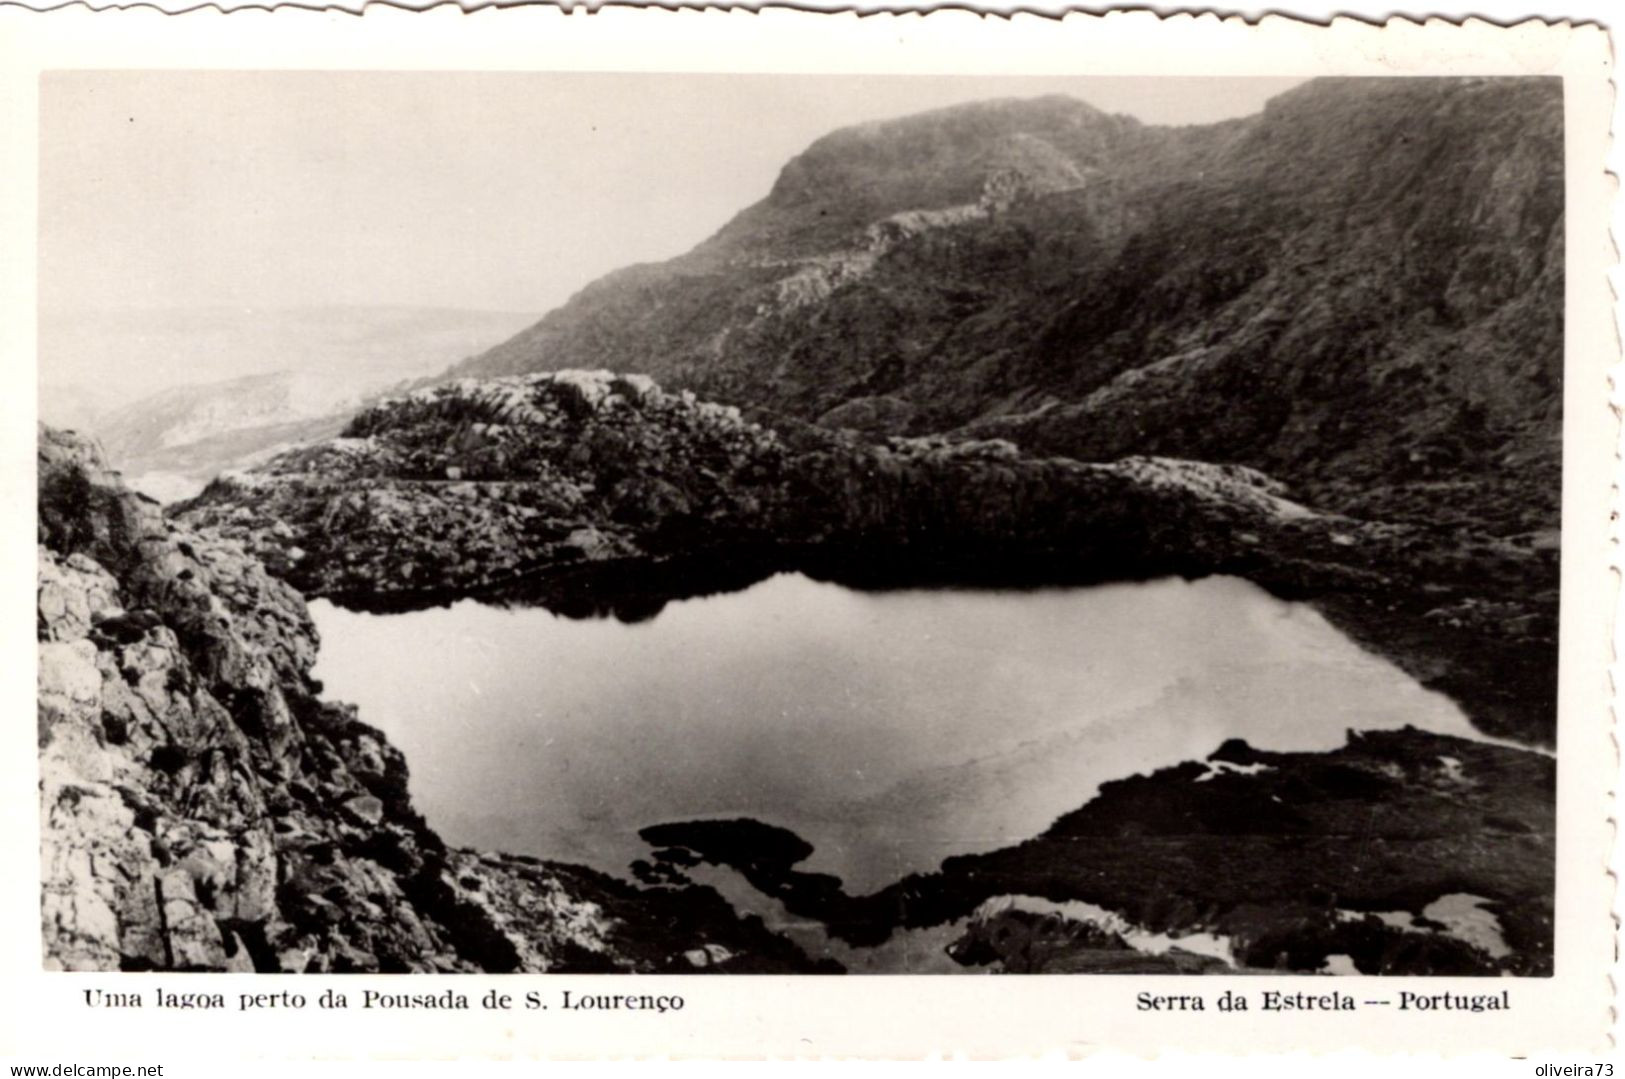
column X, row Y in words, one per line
column 1249, row 847
column 206, row 809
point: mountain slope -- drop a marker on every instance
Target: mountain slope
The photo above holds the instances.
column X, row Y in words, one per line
column 589, row 490
column 1358, row 290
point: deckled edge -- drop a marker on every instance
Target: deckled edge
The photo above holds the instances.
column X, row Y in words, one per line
column 1613, row 170
column 1056, row 13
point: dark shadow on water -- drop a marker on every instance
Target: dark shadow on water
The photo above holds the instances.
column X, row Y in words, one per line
column 633, row 590
column 766, row 855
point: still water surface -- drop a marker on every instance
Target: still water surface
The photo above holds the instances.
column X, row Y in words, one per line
column 889, row 729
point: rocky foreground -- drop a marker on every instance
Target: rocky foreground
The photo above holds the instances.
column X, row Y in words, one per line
column 206, row 809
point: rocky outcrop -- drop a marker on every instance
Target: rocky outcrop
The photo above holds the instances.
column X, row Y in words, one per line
column 583, row 488
column 205, row 809
column 465, row 486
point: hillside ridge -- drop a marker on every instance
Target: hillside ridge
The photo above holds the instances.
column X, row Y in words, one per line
column 1357, row 289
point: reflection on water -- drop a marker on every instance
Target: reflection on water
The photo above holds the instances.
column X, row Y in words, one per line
column 889, row 729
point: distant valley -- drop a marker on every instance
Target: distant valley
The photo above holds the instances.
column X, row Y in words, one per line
column 178, row 396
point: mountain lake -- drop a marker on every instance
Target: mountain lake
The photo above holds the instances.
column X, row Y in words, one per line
column 890, row 729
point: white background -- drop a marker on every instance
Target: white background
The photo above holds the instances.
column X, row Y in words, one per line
column 1502, row 11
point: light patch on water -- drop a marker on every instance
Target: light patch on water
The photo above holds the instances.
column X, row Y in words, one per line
column 888, row 729
column 707, row 955
column 1212, row 945
column 1452, row 769
column 166, row 487
column 1219, row 767
column 1463, row 916
column 1340, row 964
column 906, row 951
column 1393, row 919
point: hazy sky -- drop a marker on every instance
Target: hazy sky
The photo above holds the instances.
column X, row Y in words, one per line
column 495, row 191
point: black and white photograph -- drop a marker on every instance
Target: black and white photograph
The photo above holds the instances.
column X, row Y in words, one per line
column 620, row 522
